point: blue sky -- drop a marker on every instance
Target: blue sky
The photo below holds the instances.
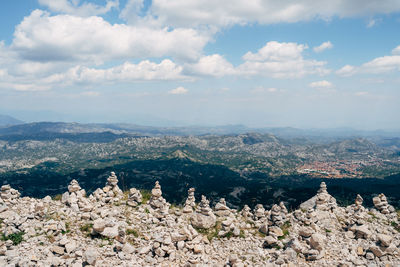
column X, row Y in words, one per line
column 307, row 64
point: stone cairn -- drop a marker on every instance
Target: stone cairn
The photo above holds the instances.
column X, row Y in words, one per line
column 203, row 217
column 157, row 202
column 111, row 192
column 190, row 202
column 259, row 212
column 134, row 197
column 381, row 204
column 75, row 197
column 324, row 201
column 278, row 214
column 9, row 194
column 246, row 212
column 221, row 209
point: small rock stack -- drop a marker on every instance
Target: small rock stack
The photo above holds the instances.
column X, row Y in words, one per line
column 221, row 209
column 111, row 192
column 157, row 202
column 278, row 214
column 9, row 194
column 203, row 217
column 75, row 197
column 324, row 201
column 246, row 212
column 381, row 204
column 190, row 202
column 134, row 197
column 259, row 212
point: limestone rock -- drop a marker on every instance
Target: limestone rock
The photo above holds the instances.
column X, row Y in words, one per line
column 203, row 217
column 134, row 197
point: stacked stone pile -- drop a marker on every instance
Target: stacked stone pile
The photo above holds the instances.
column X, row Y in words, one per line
column 134, row 197
column 381, row 204
column 157, row 202
column 75, row 197
column 190, row 202
column 111, row 193
column 9, row 194
column 46, row 232
column 203, row 217
column 221, row 209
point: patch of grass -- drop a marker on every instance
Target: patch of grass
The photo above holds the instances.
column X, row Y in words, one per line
column 395, row 226
column 146, row 194
column 372, row 215
column 16, row 238
column 126, row 195
column 87, row 228
column 57, row 197
column 210, row 233
column 328, row 231
column 228, row 235
column 285, row 229
column 146, row 210
column 67, row 228
column 242, row 235
column 132, row 232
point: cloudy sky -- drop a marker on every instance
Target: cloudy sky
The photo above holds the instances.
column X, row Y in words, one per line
column 304, row 63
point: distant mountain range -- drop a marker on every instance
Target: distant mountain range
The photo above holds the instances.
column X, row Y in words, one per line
column 6, row 120
column 12, row 126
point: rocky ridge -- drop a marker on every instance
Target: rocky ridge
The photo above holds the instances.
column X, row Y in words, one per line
column 113, row 228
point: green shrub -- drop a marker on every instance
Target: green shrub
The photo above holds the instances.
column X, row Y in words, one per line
column 146, row 194
column 57, row 197
column 132, row 232
column 16, row 238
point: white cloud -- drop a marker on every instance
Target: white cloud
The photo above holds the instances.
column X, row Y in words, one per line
column 382, row 64
column 178, row 91
column 275, row 51
column 82, row 75
column 321, row 84
column 260, row 90
column 230, row 12
column 213, row 65
column 41, row 37
column 323, row 46
column 73, row 7
column 127, row 72
column 396, row 51
column 346, row 70
column 378, row 65
column 281, row 60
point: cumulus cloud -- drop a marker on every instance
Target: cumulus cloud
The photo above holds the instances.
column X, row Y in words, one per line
column 260, row 89
column 127, row 72
column 321, row 84
column 80, row 9
column 82, row 75
column 41, row 37
column 377, row 65
column 213, row 65
column 281, row 60
column 323, row 46
column 229, row 12
column 396, row 51
column 178, row 91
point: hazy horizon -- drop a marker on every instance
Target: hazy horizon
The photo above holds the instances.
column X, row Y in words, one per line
column 167, row 63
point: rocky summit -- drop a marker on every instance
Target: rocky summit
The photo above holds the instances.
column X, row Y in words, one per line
column 115, row 228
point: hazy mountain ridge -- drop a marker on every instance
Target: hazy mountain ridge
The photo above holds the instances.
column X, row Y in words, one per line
column 6, row 120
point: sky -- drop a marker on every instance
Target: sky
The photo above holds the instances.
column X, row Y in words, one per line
column 260, row 63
